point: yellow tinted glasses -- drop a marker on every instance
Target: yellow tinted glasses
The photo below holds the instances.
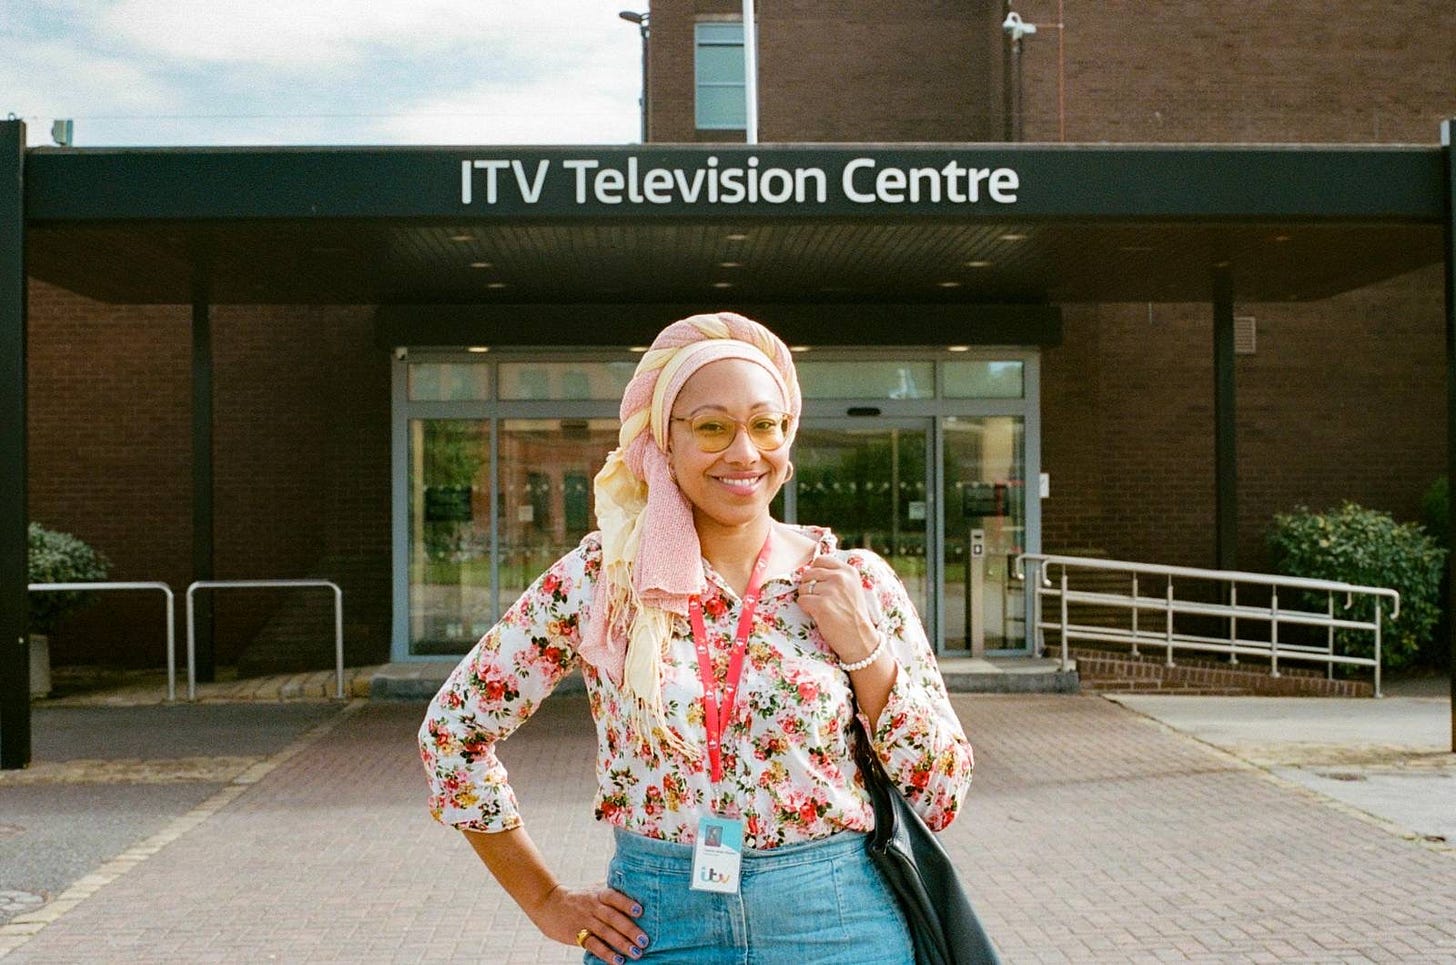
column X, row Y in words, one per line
column 714, row 432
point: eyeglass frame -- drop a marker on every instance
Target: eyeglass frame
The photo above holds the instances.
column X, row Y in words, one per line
column 784, row 420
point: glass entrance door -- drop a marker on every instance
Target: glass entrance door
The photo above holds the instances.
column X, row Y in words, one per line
column 983, row 468
column 868, row 483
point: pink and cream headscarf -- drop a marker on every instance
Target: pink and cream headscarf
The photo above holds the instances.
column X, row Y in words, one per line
column 651, row 559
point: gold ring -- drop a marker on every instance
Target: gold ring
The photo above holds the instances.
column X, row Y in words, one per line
column 581, row 937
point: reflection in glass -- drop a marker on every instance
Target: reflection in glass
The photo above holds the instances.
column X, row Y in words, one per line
column 448, row 381
column 564, row 380
column 451, row 603
column 868, row 485
column 866, row 380
column 978, row 379
column 546, row 472
column 984, row 483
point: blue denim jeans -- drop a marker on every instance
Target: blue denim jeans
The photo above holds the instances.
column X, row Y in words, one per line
column 818, row 903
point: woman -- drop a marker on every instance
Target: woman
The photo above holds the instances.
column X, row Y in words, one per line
column 726, row 656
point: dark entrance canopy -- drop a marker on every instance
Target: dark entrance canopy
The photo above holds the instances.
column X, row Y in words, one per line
column 379, row 226
column 981, row 239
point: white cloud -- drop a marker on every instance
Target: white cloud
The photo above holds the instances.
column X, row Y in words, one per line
column 319, row 34
column 322, row 71
column 548, row 112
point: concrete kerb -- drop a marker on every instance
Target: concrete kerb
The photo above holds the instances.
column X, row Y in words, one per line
column 1268, row 764
column 419, row 680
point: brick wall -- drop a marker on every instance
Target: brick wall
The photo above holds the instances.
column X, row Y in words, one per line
column 1344, row 399
column 110, row 458
column 301, row 439
column 1317, row 71
column 922, row 70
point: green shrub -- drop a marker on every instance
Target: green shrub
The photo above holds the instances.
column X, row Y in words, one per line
column 60, row 558
column 1436, row 510
column 1367, row 547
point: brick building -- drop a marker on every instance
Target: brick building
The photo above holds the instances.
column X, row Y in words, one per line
column 415, row 411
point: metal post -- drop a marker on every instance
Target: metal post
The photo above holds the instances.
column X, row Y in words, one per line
column 1274, row 633
column 1233, row 622
column 1226, row 480
column 14, row 542
column 1168, row 620
column 646, row 89
column 1066, row 665
column 1448, row 141
column 1377, row 647
column 1135, row 609
column 202, row 480
column 750, row 72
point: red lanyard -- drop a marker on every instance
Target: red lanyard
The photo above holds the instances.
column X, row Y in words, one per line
column 716, row 717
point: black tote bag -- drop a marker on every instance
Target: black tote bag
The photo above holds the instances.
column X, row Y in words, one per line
column 944, row 926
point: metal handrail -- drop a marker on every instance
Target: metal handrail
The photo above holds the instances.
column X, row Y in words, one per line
column 1233, row 611
column 171, row 616
column 222, row 584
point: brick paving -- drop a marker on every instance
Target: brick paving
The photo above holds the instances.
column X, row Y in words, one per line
column 1092, row 834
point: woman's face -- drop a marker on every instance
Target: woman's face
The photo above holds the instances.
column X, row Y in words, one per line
column 735, row 486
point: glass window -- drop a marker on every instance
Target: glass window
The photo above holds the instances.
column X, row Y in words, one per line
column 564, row 380
column 866, row 380
column 451, row 599
column 721, row 95
column 978, row 379
column 546, row 471
column 448, row 381
column 984, row 462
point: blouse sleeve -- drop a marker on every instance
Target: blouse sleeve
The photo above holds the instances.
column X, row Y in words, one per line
column 918, row 738
column 496, row 688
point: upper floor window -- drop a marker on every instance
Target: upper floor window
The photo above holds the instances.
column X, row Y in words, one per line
column 721, row 96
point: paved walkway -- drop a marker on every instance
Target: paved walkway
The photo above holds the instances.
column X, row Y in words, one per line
column 1093, row 833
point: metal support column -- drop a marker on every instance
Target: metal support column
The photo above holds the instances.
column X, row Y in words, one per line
column 1226, row 477
column 202, row 528
column 14, row 542
column 1448, row 140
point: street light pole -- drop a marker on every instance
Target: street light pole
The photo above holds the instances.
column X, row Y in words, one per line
column 641, row 19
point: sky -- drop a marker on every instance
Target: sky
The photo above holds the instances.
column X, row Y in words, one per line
column 296, row 72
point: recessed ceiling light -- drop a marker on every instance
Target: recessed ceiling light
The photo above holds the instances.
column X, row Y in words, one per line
column 798, row 348
column 957, row 348
column 639, row 349
column 481, row 264
column 978, row 264
column 1280, row 238
column 478, row 348
column 737, row 237
column 722, row 284
column 1013, row 236
column 497, row 284
column 948, row 284
column 730, row 264
column 463, row 236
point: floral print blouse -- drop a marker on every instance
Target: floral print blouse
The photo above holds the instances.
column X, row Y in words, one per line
column 788, row 765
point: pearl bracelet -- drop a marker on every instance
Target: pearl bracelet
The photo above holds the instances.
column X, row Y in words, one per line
column 861, row 664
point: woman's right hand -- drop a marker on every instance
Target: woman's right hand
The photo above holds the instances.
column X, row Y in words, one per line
column 607, row 915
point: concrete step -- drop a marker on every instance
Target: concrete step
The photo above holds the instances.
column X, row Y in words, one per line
column 419, row 680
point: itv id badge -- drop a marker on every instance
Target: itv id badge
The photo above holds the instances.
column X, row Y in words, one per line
column 718, row 855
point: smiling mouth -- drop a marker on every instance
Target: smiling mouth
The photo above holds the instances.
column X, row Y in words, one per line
column 743, row 484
